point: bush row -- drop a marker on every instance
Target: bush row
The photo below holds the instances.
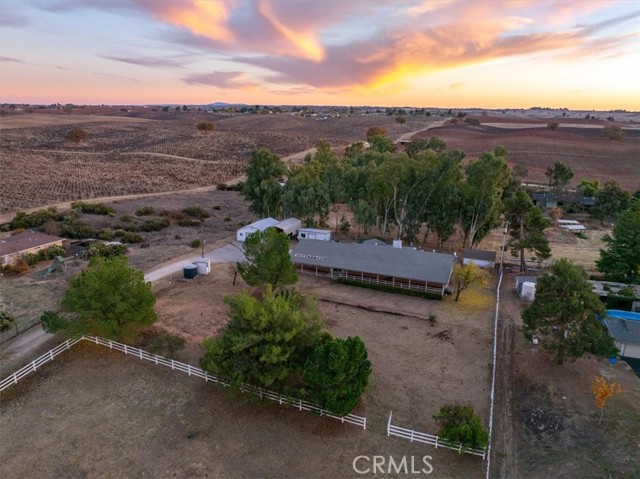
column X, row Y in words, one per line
column 44, row 254
column 92, row 208
column 391, row 289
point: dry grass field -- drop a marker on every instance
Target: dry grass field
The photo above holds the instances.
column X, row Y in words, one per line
column 553, row 416
column 132, row 155
column 585, row 150
column 31, row 120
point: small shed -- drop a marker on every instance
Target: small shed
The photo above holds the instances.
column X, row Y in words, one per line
column 521, row 280
column 625, row 330
column 484, row 259
column 289, row 226
column 314, row 234
column 259, row 225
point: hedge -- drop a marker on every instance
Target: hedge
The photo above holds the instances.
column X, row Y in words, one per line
column 92, row 208
column 391, row 289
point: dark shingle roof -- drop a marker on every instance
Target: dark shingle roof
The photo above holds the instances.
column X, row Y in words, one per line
column 623, row 330
column 24, row 241
column 397, row 262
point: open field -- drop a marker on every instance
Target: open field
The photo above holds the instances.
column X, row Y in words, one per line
column 31, row 120
column 590, row 155
column 547, row 418
column 125, row 155
column 135, row 419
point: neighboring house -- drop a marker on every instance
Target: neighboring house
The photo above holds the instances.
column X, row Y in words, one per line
column 259, row 225
column 403, row 268
column 545, row 200
column 526, row 286
column 15, row 247
column 624, row 327
column 314, row 234
column 289, row 226
column 484, row 259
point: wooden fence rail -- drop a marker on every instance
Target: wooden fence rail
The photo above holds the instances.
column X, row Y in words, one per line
column 416, row 436
column 182, row 367
column 34, row 365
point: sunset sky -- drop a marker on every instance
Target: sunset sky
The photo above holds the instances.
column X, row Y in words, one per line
column 489, row 54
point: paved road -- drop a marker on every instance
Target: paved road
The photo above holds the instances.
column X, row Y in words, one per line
column 34, row 342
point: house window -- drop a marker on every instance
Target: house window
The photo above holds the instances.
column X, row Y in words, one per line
column 303, row 235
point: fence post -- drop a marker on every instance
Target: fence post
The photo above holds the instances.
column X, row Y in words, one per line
column 300, row 404
column 110, row 344
column 389, row 424
column 437, row 439
column 51, row 354
column 125, row 349
column 188, row 369
column 412, row 435
column 15, row 378
column 172, row 366
column 33, row 365
column 140, row 351
column 460, row 449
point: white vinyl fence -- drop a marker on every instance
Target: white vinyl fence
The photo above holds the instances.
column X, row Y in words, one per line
column 182, row 367
column 415, row 436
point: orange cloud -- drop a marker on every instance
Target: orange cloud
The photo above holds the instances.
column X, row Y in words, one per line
column 305, row 43
column 202, row 17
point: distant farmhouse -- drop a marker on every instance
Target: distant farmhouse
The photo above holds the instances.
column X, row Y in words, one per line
column 402, row 268
column 15, row 247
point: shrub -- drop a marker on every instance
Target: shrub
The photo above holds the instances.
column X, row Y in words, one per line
column 472, row 121
column 205, row 126
column 613, row 132
column 216, row 207
column 6, row 321
column 227, row 218
column 390, row 289
column 92, row 208
column 189, row 222
column 195, row 212
column 401, row 120
column 105, row 235
column 19, row 267
column 44, row 254
column 460, row 425
column 129, row 236
column 35, row 219
column 553, row 126
column 155, row 224
column 104, row 250
column 145, row 211
column 73, row 227
column 222, row 187
column 336, row 374
column 195, row 243
column 127, row 227
column 126, row 219
column 76, row 135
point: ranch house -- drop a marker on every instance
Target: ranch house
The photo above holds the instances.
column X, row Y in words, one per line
column 15, row 247
column 402, row 268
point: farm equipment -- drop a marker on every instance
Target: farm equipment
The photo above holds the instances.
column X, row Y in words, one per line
column 57, row 265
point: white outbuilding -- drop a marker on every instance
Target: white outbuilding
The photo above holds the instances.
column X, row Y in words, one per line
column 259, row 225
column 314, row 234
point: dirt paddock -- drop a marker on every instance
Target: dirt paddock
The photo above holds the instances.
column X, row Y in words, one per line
column 114, row 416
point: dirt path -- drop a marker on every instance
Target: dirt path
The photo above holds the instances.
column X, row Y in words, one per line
column 506, row 465
column 407, row 136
